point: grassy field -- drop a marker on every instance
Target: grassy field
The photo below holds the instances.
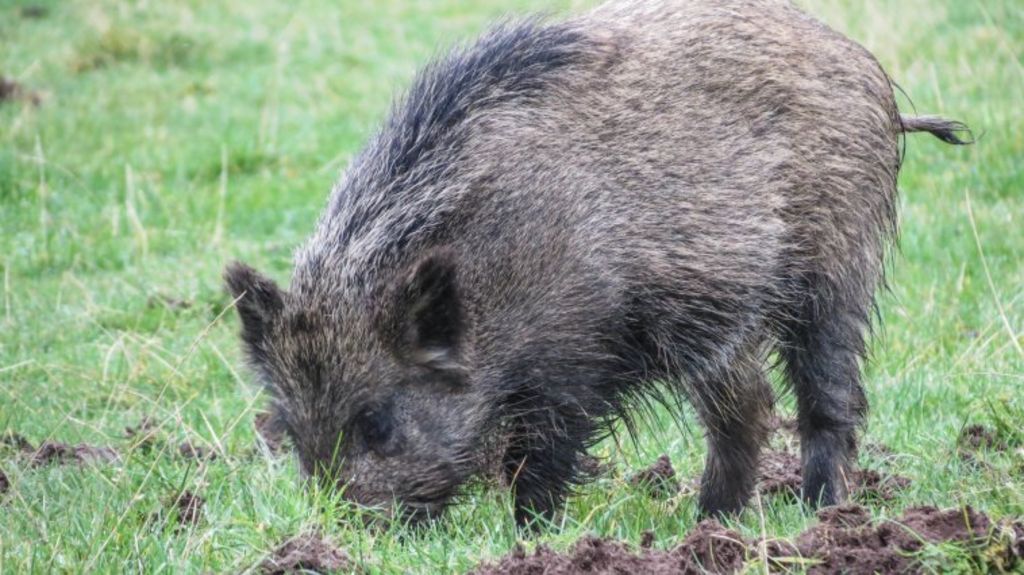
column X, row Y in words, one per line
column 172, row 137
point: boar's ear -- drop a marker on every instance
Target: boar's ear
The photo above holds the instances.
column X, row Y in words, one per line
column 259, row 300
column 430, row 313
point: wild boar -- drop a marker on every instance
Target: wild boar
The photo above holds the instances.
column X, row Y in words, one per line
column 565, row 221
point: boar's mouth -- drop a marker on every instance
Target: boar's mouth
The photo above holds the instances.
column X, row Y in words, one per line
column 421, row 498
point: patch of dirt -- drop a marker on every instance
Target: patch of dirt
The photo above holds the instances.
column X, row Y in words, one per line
column 5, row 484
column 270, row 431
column 189, row 507
column 976, row 437
column 33, row 12
column 189, row 450
column 53, row 452
column 708, row 548
column 780, row 473
column 12, row 440
column 659, row 479
column 871, row 484
column 307, row 552
column 846, row 541
column 11, row 90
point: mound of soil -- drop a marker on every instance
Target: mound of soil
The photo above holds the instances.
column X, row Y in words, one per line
column 11, row 91
column 54, row 452
column 659, row 479
column 270, row 431
column 307, row 552
column 34, row 12
column 871, row 484
column 12, row 440
column 977, row 437
column 780, row 473
column 189, row 507
column 708, row 548
column 846, row 541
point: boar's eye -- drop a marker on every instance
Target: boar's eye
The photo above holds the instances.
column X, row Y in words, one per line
column 375, row 428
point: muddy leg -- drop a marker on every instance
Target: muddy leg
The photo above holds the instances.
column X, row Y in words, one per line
column 823, row 365
column 735, row 409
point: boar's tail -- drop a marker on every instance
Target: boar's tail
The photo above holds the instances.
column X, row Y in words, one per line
column 946, row 130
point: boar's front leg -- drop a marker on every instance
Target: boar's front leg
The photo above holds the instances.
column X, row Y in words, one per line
column 735, row 407
column 541, row 460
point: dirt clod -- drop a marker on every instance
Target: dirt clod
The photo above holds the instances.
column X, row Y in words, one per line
column 53, row 452
column 870, row 484
column 34, row 12
column 11, row 90
column 190, row 508
column 708, row 548
column 307, row 552
column 12, row 440
column 779, row 473
column 659, row 479
column 846, row 541
column 713, row 548
column 189, row 450
column 976, row 437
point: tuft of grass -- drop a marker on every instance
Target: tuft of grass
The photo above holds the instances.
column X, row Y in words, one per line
column 175, row 136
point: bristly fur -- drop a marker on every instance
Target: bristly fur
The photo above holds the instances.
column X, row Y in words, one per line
column 560, row 216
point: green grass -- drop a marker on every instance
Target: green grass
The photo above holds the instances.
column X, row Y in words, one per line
column 175, row 136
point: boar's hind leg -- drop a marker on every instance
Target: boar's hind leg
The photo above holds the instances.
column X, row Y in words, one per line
column 735, row 409
column 822, row 360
